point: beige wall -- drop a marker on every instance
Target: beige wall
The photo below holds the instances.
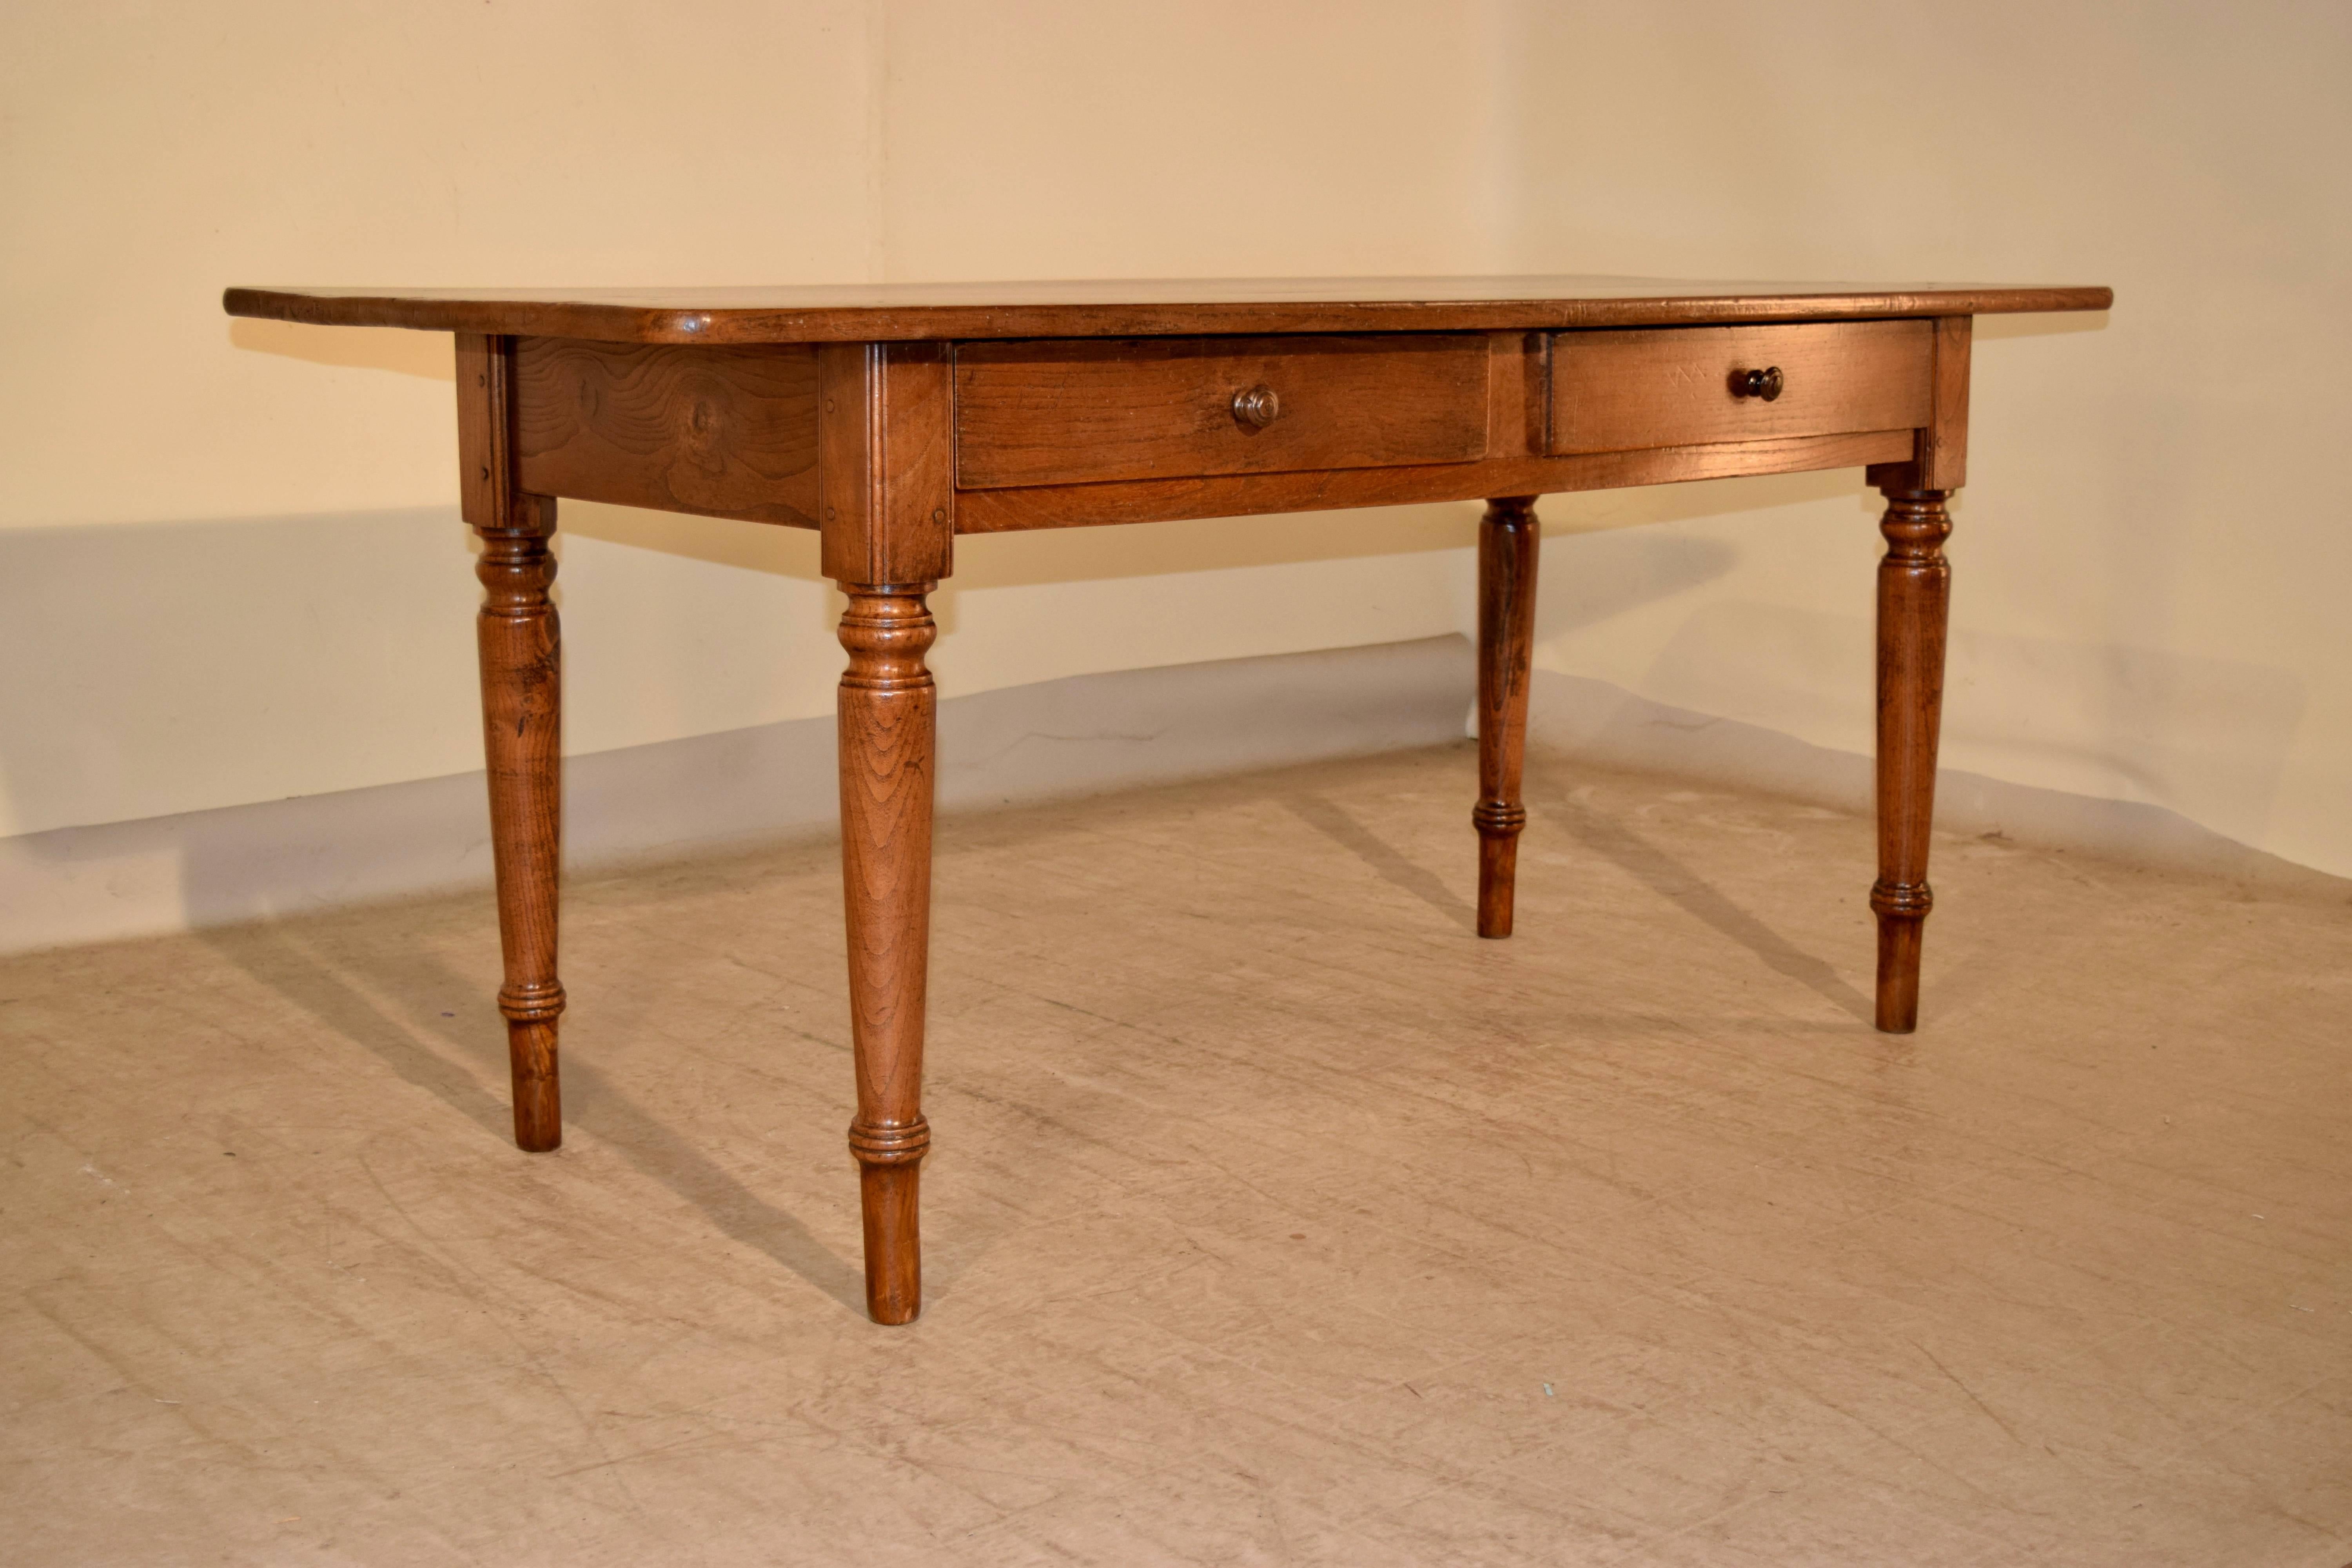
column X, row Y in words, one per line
column 231, row 571
column 2151, row 562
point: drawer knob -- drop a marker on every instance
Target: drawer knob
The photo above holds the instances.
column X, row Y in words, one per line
column 1257, row 407
column 1764, row 384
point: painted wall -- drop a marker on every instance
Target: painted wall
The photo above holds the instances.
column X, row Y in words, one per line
column 230, row 568
column 2150, row 562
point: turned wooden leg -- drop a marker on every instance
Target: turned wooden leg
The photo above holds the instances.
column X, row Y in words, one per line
column 1914, row 590
column 888, row 710
column 1506, row 617
column 522, row 712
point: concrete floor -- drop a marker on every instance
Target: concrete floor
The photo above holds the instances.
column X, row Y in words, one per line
column 1274, row 1218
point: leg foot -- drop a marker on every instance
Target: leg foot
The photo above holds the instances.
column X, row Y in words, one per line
column 1901, row 913
column 531, row 1061
column 889, row 1187
column 1507, row 538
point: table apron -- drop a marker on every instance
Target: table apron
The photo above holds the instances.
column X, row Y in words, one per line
column 1243, row 495
column 736, row 431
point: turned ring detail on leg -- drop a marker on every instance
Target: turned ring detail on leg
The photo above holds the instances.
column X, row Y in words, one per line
column 899, row 1143
column 1901, row 901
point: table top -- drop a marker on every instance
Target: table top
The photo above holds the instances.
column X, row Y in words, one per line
column 1133, row 308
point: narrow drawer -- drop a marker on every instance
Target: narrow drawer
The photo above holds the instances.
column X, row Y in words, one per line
column 1688, row 386
column 1059, row 412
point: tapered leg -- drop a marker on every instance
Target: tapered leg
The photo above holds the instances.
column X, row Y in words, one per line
column 1913, row 591
column 1506, row 617
column 521, row 712
column 887, row 709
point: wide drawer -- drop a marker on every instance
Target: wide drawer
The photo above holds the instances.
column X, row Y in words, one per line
column 1684, row 386
column 1055, row 412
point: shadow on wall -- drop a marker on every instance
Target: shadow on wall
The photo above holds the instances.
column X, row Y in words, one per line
column 1587, row 576
column 156, row 668
column 163, row 668
column 429, row 355
column 1057, row 554
column 2206, row 737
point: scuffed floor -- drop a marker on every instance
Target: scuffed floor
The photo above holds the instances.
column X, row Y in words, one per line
column 1274, row 1218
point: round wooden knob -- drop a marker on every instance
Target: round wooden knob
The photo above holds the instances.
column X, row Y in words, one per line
column 1764, row 384
column 1257, row 407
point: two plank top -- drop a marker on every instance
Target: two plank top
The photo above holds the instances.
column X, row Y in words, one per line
column 1143, row 308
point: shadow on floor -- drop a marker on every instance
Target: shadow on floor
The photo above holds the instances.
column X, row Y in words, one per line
column 1392, row 864
column 450, row 1062
column 1678, row 885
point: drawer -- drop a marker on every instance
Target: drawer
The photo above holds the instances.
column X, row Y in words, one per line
column 1684, row 386
column 1058, row 411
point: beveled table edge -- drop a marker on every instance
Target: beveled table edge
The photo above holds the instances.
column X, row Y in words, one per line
column 621, row 320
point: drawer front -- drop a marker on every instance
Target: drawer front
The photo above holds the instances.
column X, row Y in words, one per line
column 1057, row 412
column 1679, row 387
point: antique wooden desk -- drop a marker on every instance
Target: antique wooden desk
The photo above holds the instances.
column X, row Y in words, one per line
column 891, row 419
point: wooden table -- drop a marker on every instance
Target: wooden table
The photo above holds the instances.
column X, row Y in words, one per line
column 891, row 419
